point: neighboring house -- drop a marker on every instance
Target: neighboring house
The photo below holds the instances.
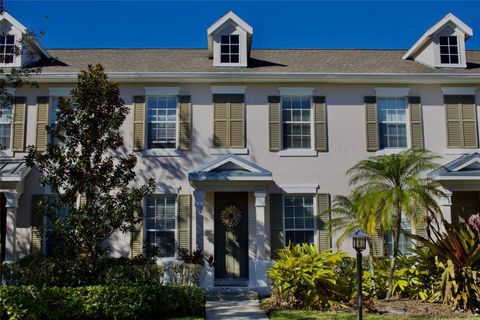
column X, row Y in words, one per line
column 269, row 132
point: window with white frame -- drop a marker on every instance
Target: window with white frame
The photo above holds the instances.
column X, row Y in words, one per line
column 297, row 122
column 230, row 48
column 160, row 224
column 404, row 243
column 392, row 118
column 6, row 117
column 162, row 122
column 449, row 50
column 299, row 219
column 7, row 48
column 61, row 214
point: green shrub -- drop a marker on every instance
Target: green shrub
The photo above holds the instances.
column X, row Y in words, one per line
column 304, row 278
column 60, row 271
column 101, row 302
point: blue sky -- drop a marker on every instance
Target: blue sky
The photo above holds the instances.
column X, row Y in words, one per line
column 281, row 24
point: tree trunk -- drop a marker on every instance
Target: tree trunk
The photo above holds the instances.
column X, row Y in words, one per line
column 372, row 267
column 396, row 239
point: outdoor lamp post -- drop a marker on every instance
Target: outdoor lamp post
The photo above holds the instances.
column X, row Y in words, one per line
column 359, row 244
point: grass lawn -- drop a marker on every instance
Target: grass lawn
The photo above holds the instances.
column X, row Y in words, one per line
column 315, row 315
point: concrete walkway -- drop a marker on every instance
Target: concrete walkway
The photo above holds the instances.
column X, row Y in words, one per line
column 234, row 305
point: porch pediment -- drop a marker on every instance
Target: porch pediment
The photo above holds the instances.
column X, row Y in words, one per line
column 13, row 170
column 230, row 167
column 466, row 167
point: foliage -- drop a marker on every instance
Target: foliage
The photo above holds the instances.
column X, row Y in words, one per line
column 100, row 302
column 87, row 160
column 304, row 278
column 41, row 271
column 197, row 256
column 457, row 258
column 394, row 186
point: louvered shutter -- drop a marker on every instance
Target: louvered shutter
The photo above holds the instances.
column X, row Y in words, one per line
column 321, row 135
column 184, row 122
column 323, row 217
column 277, row 234
column 136, row 242
column 371, row 123
column 274, row 124
column 37, row 225
column 139, row 123
column 18, row 127
column 236, row 121
column 461, row 117
column 184, row 221
column 416, row 122
column 220, row 120
column 42, row 122
column 421, row 228
column 82, row 201
column 378, row 243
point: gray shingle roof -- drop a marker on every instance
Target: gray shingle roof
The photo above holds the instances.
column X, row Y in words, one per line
column 281, row 61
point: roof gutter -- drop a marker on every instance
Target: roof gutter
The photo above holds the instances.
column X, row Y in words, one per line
column 135, row 77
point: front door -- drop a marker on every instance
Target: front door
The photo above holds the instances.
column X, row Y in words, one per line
column 231, row 238
column 464, row 204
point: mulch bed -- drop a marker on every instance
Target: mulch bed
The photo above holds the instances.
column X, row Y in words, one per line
column 416, row 308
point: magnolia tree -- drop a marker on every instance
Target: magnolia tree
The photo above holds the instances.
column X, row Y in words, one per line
column 87, row 168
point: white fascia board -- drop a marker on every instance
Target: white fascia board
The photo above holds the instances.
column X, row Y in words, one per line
column 428, row 34
column 59, row 92
column 391, row 92
column 233, row 160
column 228, row 89
column 230, row 16
column 296, row 91
column 162, row 91
column 458, row 91
column 299, row 188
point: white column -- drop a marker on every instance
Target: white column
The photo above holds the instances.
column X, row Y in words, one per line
column 445, row 204
column 199, row 218
column 260, row 223
column 10, row 238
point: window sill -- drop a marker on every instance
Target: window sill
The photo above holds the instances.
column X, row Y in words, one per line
column 161, row 153
column 217, row 151
column 6, row 153
column 298, row 153
column 387, row 151
column 459, row 151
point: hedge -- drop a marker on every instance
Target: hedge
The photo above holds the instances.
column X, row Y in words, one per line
column 101, row 302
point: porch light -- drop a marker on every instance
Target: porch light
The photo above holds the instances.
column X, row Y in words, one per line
column 359, row 240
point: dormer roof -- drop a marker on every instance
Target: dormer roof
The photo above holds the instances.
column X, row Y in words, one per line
column 229, row 16
column 34, row 43
column 427, row 36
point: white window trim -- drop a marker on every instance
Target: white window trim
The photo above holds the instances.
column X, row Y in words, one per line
column 228, row 89
column 161, row 91
column 17, row 58
column 387, row 151
column 315, row 219
column 162, row 260
column 8, row 153
column 296, row 91
column 162, row 152
column 466, row 91
column 299, row 152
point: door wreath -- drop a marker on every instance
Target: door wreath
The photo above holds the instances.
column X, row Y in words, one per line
column 230, row 216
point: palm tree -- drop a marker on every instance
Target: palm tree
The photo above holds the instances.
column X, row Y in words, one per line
column 394, row 185
column 350, row 214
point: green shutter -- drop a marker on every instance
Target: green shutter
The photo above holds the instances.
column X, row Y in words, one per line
column 323, row 217
column 277, row 234
column 421, row 228
column 184, row 122
column 371, row 123
column 37, row 225
column 274, row 123
column 321, row 134
column 377, row 242
column 229, row 121
column 42, row 122
column 136, row 241
column 184, row 221
column 139, row 123
column 18, row 126
column 416, row 122
column 461, row 118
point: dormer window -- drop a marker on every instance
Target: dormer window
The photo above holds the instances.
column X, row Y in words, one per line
column 230, row 48
column 7, row 48
column 449, row 50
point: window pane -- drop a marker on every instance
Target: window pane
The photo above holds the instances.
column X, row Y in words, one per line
column 452, row 40
column 444, row 59
column 234, row 58
column 392, row 115
column 224, row 58
column 453, row 59
column 299, row 218
column 225, row 39
column 234, row 39
column 296, row 120
column 160, row 223
column 6, row 117
column 162, row 122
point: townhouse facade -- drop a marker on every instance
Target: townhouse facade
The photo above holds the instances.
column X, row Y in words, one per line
column 248, row 147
